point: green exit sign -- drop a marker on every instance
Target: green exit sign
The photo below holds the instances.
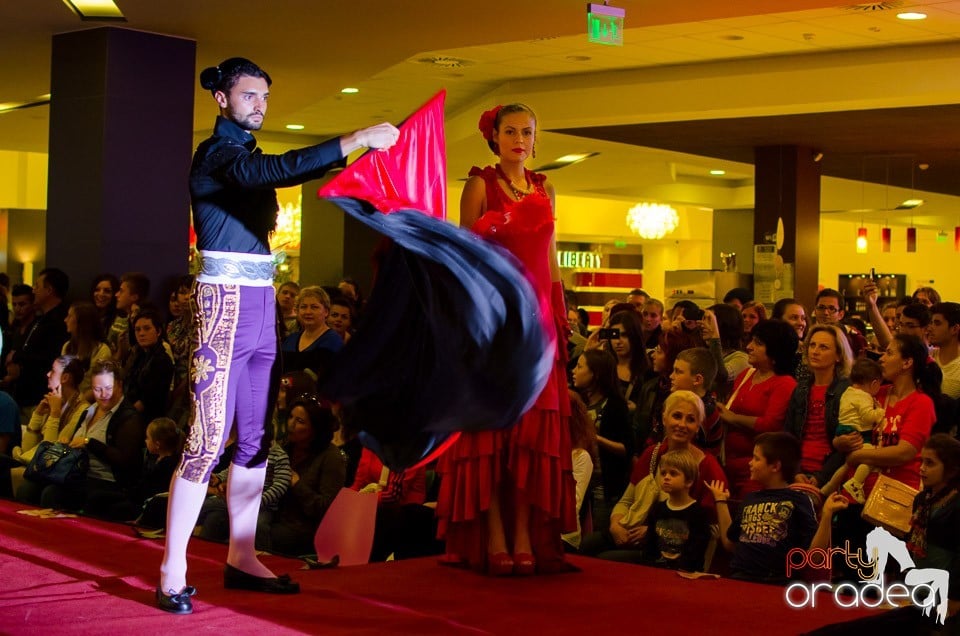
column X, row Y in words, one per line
column 605, row 24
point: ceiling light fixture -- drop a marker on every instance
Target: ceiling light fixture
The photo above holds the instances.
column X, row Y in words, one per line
column 574, row 157
column 652, row 220
column 912, row 15
column 861, row 240
column 718, row 173
column 295, row 126
column 96, row 10
column 909, row 204
column 349, row 90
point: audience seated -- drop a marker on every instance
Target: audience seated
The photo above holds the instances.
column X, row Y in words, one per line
column 898, row 439
column 149, row 371
column 583, row 441
column 694, row 370
column 316, row 456
column 633, row 364
column 112, row 433
column 214, row 522
column 813, row 412
column 774, row 519
column 621, row 536
column 133, row 292
column 319, row 472
column 596, row 380
column 314, row 345
column 163, row 447
column 103, row 295
column 86, row 340
column 753, row 313
column 647, row 420
column 341, row 316
column 44, row 341
column 350, row 288
column 927, row 296
column 293, row 385
column 24, row 316
column 10, row 433
column 59, row 412
column 179, row 335
column 722, row 330
column 287, row 305
column 759, row 401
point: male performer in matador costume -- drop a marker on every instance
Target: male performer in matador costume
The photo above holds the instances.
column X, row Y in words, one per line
column 234, row 210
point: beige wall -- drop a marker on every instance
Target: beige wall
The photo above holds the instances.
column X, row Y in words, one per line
column 933, row 261
column 23, row 180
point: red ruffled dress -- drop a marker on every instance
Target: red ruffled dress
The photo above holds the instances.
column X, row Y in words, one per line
column 534, row 456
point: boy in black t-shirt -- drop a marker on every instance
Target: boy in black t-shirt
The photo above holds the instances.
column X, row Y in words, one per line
column 776, row 519
column 678, row 527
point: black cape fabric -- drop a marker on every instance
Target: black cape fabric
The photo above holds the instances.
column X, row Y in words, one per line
column 451, row 339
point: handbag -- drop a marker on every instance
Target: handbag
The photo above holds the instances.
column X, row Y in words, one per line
column 890, row 505
column 57, row 463
column 645, row 494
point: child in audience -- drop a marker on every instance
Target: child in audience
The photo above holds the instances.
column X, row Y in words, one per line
column 776, row 518
column 677, row 529
column 859, row 410
column 213, row 521
column 859, row 413
column 163, row 444
column 695, row 370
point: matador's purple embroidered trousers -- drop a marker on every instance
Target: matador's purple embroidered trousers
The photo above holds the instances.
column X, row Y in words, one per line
column 234, row 350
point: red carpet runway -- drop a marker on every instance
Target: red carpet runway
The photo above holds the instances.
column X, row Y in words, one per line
column 81, row 576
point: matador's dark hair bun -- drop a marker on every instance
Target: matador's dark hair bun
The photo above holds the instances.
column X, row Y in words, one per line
column 224, row 76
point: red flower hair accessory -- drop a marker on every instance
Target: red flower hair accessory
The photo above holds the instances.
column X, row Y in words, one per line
column 487, row 120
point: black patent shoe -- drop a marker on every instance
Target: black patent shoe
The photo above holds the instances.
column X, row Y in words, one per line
column 179, row 603
column 234, row 579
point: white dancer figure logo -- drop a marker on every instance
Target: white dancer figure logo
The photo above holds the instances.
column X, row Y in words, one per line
column 883, row 545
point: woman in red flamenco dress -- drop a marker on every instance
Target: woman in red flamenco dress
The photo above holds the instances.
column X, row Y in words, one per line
column 506, row 496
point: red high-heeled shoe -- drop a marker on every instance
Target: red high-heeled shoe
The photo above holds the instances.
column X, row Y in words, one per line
column 524, row 564
column 499, row 564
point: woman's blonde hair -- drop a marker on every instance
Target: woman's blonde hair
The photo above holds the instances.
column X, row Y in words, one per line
column 844, row 352
column 689, row 397
column 314, row 291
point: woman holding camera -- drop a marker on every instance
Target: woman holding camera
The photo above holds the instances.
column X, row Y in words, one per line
column 633, row 365
column 595, row 378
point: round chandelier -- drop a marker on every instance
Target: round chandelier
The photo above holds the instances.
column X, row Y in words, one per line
column 652, row 220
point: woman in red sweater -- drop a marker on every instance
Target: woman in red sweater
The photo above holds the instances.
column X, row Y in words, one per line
column 759, row 401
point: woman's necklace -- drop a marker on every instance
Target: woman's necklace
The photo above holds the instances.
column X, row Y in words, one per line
column 519, row 193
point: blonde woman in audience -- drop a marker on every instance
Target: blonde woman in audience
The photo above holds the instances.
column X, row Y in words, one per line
column 622, row 539
column 314, row 345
